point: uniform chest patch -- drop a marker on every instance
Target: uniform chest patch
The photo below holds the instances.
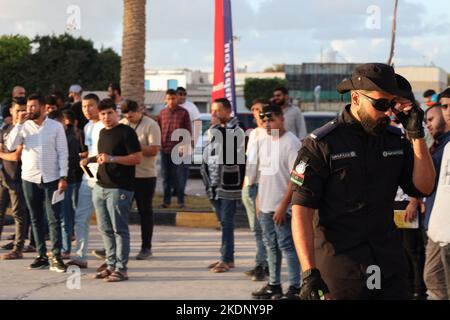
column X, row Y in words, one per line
column 391, row 153
column 344, row 155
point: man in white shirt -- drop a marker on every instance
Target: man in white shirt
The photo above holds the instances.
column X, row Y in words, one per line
column 250, row 190
column 44, row 171
column 294, row 121
column 85, row 207
column 196, row 125
column 276, row 157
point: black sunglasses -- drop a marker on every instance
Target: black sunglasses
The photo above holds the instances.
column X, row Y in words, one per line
column 267, row 115
column 382, row 104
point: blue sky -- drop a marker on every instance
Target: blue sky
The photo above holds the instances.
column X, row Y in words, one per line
column 180, row 32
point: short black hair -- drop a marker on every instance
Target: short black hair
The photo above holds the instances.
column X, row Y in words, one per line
column 51, row 100
column 275, row 109
column 428, row 93
column 181, row 89
column 21, row 101
column 106, row 104
column 171, row 92
column 69, row 115
column 283, row 89
column 129, row 105
column 263, row 101
column 225, row 102
column 38, row 97
column 92, row 96
column 115, row 87
column 444, row 94
column 55, row 115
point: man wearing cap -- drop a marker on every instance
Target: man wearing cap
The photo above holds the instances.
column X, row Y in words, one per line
column 349, row 171
column 75, row 92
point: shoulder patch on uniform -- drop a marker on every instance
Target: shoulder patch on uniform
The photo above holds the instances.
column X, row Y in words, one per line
column 321, row 132
column 395, row 130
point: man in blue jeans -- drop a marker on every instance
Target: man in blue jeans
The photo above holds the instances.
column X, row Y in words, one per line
column 44, row 172
column 276, row 157
column 250, row 191
column 223, row 175
column 119, row 153
column 85, row 207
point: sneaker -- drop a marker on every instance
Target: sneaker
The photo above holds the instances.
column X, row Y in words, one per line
column 39, row 263
column 250, row 272
column 101, row 254
column 28, row 248
column 259, row 274
column 8, row 246
column 292, row 294
column 80, row 264
column 57, row 265
column 144, row 254
column 269, row 292
column 13, row 255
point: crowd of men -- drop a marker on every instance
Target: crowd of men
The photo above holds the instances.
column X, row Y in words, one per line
column 324, row 201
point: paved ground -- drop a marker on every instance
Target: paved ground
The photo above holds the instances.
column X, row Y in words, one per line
column 176, row 271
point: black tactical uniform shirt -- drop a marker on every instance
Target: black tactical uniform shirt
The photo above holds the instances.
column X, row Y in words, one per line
column 352, row 177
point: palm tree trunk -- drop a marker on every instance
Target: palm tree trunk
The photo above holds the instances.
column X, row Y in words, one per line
column 394, row 30
column 132, row 72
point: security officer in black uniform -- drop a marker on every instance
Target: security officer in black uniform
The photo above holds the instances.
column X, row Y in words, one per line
column 349, row 171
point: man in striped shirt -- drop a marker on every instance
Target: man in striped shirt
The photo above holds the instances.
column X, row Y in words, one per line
column 44, row 171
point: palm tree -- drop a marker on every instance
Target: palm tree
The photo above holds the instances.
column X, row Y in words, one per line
column 394, row 30
column 132, row 72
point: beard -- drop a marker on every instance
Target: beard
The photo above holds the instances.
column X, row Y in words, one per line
column 372, row 126
column 35, row 115
column 280, row 102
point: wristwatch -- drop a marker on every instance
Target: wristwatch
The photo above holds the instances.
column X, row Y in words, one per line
column 111, row 159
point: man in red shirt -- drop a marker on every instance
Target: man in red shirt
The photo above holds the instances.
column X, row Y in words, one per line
column 171, row 118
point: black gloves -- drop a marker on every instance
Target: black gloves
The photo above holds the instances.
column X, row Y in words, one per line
column 313, row 287
column 413, row 122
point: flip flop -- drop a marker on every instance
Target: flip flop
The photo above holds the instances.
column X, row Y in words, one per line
column 220, row 268
column 116, row 276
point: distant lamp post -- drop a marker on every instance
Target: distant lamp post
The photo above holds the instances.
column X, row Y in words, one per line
column 394, row 30
column 317, row 90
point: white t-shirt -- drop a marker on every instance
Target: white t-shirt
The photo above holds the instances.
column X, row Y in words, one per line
column 251, row 170
column 194, row 115
column 439, row 225
column 276, row 157
column 91, row 137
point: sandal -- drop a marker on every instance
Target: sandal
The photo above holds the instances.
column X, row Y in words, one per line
column 212, row 265
column 13, row 255
column 103, row 274
column 116, row 276
column 221, row 267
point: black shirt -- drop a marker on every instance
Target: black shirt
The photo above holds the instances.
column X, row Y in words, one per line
column 79, row 116
column 118, row 141
column 74, row 174
column 352, row 177
column 11, row 170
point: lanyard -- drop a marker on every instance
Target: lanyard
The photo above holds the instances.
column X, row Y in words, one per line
column 135, row 129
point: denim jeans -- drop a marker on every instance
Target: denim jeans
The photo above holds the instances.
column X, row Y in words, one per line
column 39, row 202
column 445, row 257
column 171, row 179
column 82, row 221
column 11, row 193
column 278, row 240
column 226, row 210
column 144, row 189
column 68, row 215
column 249, row 201
column 112, row 207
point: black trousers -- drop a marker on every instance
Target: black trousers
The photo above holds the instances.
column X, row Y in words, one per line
column 144, row 189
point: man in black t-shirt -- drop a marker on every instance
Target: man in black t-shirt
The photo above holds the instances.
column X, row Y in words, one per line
column 75, row 93
column 119, row 151
column 11, row 184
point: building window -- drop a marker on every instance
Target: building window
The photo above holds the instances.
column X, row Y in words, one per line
column 147, row 85
column 172, row 84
